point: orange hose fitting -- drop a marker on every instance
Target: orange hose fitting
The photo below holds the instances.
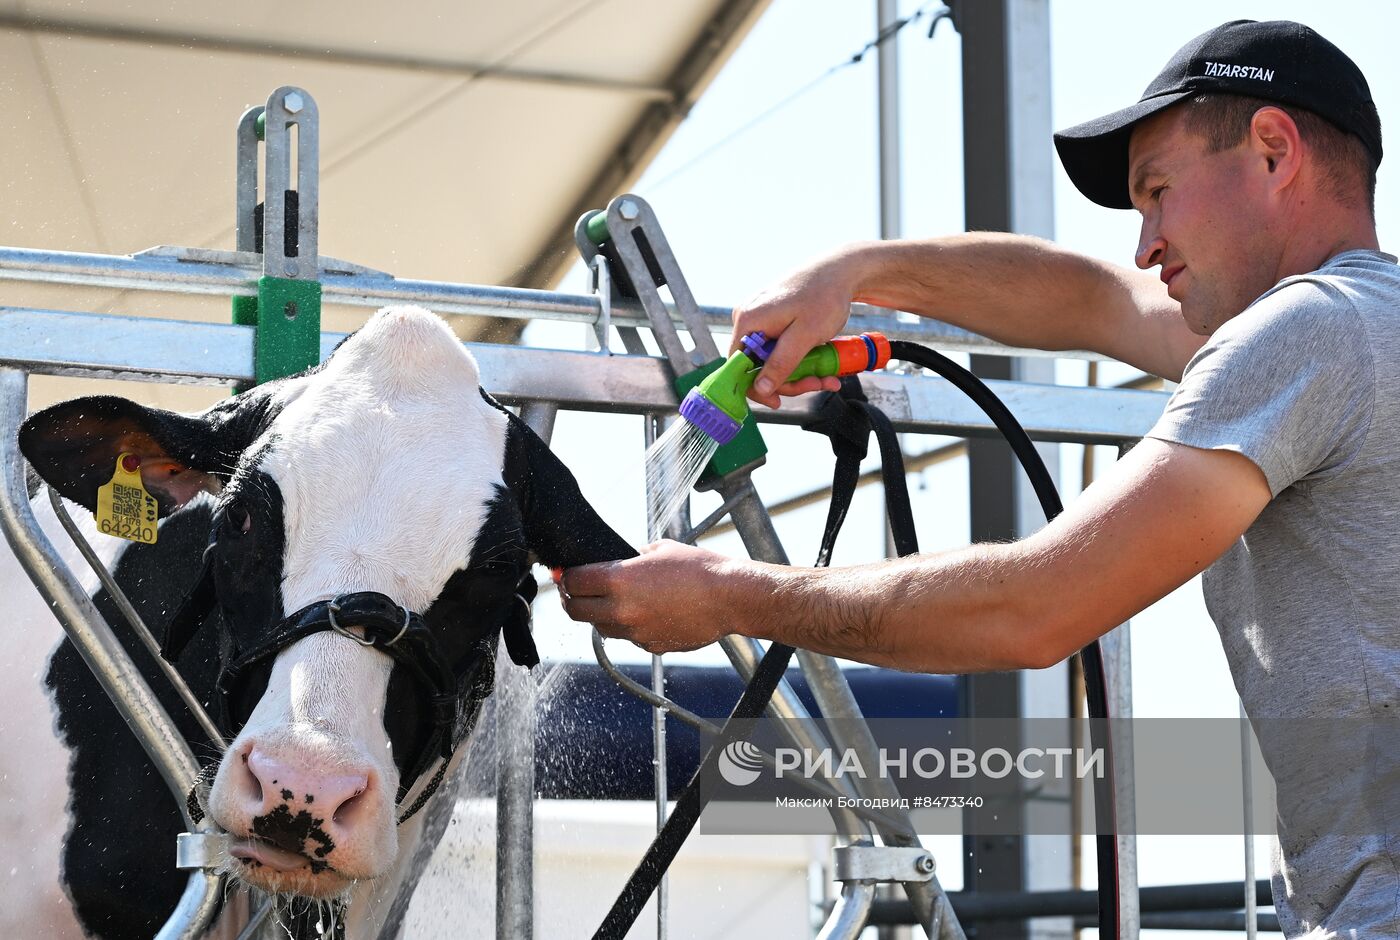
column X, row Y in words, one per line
column 862, row 353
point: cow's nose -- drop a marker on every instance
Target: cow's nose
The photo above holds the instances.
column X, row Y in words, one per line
column 270, row 783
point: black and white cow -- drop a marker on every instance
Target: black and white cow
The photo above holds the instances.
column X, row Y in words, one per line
column 386, row 470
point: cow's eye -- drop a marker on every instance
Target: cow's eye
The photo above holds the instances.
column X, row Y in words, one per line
column 237, row 520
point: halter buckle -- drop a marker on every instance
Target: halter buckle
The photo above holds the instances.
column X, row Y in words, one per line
column 333, row 607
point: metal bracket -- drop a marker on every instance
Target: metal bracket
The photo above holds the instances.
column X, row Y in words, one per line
column 605, row 286
column 287, row 310
column 289, row 107
column 647, row 260
column 601, row 285
column 253, row 260
column 246, row 174
column 202, row 850
column 629, row 236
column 883, row 863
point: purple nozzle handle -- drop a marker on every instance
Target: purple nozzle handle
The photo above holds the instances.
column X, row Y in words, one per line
column 707, row 416
column 758, row 346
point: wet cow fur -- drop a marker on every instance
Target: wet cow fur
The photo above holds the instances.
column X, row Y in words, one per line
column 387, row 469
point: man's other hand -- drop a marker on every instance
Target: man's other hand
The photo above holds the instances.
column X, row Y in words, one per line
column 672, row 597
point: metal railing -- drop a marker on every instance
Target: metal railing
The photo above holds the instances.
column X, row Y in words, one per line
column 154, row 350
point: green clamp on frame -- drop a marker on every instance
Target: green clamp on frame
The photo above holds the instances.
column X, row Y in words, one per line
column 286, row 313
column 640, row 261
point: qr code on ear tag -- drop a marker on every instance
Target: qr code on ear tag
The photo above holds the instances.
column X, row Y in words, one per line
column 125, row 509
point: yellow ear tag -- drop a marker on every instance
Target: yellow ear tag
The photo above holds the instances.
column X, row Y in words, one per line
column 124, row 508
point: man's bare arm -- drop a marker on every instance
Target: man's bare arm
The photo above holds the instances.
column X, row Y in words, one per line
column 1015, row 289
column 1159, row 517
column 1030, row 292
column 1162, row 515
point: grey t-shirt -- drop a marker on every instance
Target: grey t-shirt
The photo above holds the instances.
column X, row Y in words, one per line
column 1306, row 384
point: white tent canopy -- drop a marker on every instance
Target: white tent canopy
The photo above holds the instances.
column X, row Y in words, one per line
column 459, row 141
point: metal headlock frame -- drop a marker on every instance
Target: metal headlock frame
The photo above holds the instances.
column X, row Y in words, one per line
column 139, row 349
column 540, row 382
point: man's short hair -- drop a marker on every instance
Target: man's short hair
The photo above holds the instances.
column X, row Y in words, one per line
column 1348, row 168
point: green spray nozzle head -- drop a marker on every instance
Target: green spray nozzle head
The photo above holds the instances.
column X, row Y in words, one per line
column 719, row 404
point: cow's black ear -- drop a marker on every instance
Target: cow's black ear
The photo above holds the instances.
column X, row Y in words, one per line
column 74, row 445
column 562, row 529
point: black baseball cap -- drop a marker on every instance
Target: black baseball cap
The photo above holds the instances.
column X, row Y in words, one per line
column 1277, row 60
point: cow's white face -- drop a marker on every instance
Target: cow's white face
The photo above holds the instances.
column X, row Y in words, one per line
column 388, row 471
column 386, row 463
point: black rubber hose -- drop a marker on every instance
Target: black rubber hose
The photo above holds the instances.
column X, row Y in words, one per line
column 770, row 671
column 691, row 803
column 1090, row 657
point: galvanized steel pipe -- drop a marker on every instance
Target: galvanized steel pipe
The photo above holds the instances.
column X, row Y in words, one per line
column 104, row 655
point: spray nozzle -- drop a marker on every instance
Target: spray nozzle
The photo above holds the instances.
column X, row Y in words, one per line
column 719, row 405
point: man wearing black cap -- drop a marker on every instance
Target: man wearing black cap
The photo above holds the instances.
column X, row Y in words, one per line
column 1275, row 467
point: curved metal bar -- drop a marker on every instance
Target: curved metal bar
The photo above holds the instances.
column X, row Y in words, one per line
column 850, row 732
column 197, row 907
column 633, row 687
column 106, row 657
column 685, row 716
column 848, row 917
column 75, row 611
column 143, row 632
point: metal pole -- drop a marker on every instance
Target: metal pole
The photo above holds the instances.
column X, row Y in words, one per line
column 653, row 426
column 989, row 182
column 515, row 770
column 891, row 196
column 143, row 349
column 102, row 652
column 234, row 274
column 1118, row 663
column 891, row 182
column 658, row 747
column 1008, row 180
column 1117, row 649
column 1251, row 908
column 515, row 801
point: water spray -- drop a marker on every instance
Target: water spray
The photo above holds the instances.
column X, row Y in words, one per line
column 714, row 412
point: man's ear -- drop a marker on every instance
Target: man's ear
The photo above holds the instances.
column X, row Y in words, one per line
column 1274, row 136
column 561, row 528
column 74, row 447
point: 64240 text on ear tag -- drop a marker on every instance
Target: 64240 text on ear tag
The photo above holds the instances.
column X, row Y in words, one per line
column 124, row 508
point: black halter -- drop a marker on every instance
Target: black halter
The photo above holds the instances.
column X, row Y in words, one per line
column 451, row 701
column 451, row 697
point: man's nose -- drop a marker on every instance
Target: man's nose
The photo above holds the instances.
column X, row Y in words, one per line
column 1151, row 245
